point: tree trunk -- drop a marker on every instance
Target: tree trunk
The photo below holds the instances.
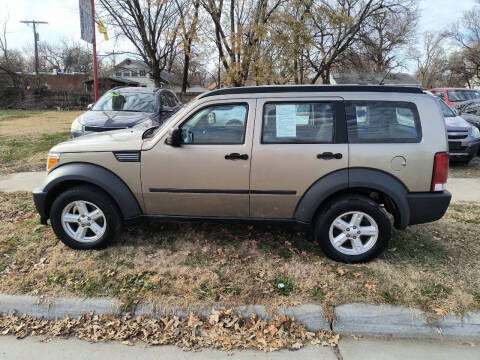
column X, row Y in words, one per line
column 156, row 76
column 295, row 70
column 186, row 66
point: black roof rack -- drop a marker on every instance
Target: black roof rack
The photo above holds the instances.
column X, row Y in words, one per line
column 313, row 88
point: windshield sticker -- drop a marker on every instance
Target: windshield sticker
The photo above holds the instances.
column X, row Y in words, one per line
column 286, row 124
column 113, row 95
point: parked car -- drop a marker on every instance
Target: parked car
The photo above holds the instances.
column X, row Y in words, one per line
column 451, row 96
column 333, row 159
column 470, row 111
column 126, row 107
column 463, row 137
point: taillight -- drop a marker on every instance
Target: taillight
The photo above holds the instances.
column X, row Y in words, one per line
column 440, row 172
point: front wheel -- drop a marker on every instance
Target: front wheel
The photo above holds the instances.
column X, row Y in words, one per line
column 353, row 229
column 85, row 217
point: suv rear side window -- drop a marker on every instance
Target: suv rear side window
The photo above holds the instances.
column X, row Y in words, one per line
column 297, row 123
column 382, row 122
column 217, row 124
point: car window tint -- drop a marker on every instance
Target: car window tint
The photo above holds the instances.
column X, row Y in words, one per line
column 217, row 124
column 382, row 122
column 296, row 123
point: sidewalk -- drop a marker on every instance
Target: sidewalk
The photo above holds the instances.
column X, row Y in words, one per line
column 462, row 189
column 348, row 349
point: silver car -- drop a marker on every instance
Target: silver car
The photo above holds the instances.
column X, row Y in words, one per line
column 463, row 137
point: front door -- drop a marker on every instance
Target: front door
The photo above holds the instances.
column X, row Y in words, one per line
column 208, row 175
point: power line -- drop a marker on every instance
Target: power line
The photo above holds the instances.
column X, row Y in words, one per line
column 35, row 38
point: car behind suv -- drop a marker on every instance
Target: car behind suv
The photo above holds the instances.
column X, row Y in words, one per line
column 334, row 159
column 463, row 137
column 126, row 107
column 452, row 96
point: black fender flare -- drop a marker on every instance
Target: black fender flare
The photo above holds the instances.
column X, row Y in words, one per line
column 98, row 176
column 345, row 179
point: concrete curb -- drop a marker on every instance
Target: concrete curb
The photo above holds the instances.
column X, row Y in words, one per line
column 362, row 318
column 356, row 318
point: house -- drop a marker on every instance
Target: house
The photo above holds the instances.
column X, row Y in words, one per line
column 138, row 71
column 106, row 83
column 398, row 79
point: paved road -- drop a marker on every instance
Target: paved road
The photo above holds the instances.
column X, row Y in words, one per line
column 349, row 349
column 463, row 189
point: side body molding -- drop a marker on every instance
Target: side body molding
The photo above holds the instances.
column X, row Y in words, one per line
column 99, row 176
column 345, row 179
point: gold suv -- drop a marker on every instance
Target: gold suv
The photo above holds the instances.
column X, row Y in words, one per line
column 334, row 159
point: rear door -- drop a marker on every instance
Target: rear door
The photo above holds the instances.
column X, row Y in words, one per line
column 296, row 143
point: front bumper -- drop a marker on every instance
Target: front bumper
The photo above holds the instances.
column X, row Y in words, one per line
column 428, row 207
column 464, row 151
column 39, row 198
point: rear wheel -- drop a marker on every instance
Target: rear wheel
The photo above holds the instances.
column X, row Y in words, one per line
column 85, row 217
column 352, row 229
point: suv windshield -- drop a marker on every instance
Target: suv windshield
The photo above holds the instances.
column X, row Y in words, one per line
column 446, row 111
column 137, row 102
column 463, row 95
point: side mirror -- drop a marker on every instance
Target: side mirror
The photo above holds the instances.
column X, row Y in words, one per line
column 89, row 106
column 174, row 137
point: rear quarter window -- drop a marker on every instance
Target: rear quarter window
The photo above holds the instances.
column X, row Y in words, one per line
column 383, row 122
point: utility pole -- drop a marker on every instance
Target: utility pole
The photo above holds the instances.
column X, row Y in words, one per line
column 35, row 38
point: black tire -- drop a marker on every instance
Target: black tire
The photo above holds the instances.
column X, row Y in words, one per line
column 343, row 205
column 102, row 201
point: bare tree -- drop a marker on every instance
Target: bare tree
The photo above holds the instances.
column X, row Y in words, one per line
column 335, row 26
column 239, row 27
column 11, row 61
column 67, row 56
column 151, row 27
column 188, row 12
column 432, row 61
column 466, row 32
column 384, row 39
column 290, row 38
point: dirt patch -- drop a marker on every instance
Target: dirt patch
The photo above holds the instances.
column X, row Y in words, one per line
column 26, row 137
column 33, row 123
column 470, row 170
column 435, row 267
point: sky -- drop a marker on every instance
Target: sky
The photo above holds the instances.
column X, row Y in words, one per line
column 63, row 21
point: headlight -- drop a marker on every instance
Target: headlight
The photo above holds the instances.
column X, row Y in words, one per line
column 475, row 132
column 76, row 126
column 144, row 124
column 52, row 160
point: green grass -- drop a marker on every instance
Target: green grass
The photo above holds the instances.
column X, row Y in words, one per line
column 17, row 114
column 283, row 285
column 13, row 150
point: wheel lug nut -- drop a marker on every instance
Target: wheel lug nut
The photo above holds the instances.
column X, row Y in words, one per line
column 358, row 232
column 348, row 229
column 354, row 237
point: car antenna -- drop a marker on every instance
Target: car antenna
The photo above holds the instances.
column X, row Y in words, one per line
column 383, row 79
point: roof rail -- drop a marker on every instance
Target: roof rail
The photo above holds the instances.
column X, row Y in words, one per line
column 313, row 88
